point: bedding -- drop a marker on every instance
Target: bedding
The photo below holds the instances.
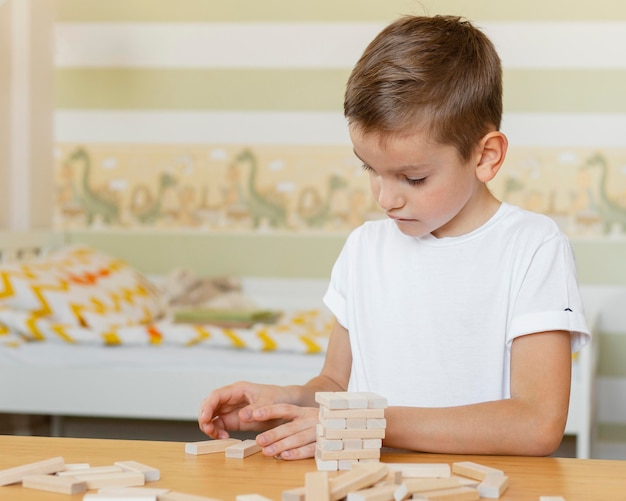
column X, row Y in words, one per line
column 79, row 295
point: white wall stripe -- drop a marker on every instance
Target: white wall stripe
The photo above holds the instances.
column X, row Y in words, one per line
column 538, row 130
column 555, row 45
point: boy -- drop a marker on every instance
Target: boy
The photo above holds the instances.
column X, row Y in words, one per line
column 463, row 311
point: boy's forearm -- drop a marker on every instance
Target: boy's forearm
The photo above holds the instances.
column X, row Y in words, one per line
column 506, row 427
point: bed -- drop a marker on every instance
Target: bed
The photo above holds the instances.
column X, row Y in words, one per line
column 168, row 382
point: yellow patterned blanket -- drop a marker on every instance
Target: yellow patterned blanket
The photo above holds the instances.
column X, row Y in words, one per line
column 80, row 295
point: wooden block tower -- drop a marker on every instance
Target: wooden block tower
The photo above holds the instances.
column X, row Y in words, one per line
column 350, row 429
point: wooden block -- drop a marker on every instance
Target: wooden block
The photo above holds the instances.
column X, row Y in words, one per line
column 353, row 433
column 376, row 493
column 493, row 486
column 355, row 400
column 17, row 473
column 351, row 444
column 150, row 474
column 251, row 497
column 374, row 400
column 421, row 470
column 132, row 491
column 179, row 496
column 76, row 466
column 474, row 470
column 117, row 479
column 117, row 497
column 347, row 454
column 456, row 494
column 346, row 464
column 352, row 413
column 316, row 486
column 358, row 423
column 94, row 470
column 331, row 400
column 359, row 477
column 210, row 446
column 372, row 443
column 411, row 486
column 551, row 498
column 242, row 449
column 330, row 445
column 334, row 424
column 375, row 423
column 326, row 465
column 52, row 483
column 296, row 494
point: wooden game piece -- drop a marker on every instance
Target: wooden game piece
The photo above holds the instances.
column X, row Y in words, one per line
column 355, row 400
column 179, row 496
column 351, row 444
column 210, row 446
column 347, row 454
column 474, row 470
column 551, row 498
column 151, row 474
column 117, row 497
column 456, row 494
column 331, row 400
column 52, row 483
column 316, row 486
column 346, row 464
column 377, row 493
column 493, row 486
column 374, row 400
column 326, row 465
column 325, row 412
column 358, row 423
column 242, row 449
column 410, row 486
column 421, row 470
column 334, row 424
column 360, row 477
column 94, row 470
column 354, row 433
column 117, row 479
column 374, row 424
column 76, row 466
column 330, row 445
column 17, row 473
column 251, row 497
column 372, row 443
column 132, row 491
column 296, row 494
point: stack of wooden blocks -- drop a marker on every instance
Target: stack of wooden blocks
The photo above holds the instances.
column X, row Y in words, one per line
column 350, row 429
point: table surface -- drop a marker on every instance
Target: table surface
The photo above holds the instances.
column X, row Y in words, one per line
column 214, row 475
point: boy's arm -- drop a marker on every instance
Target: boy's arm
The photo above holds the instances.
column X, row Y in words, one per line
column 531, row 422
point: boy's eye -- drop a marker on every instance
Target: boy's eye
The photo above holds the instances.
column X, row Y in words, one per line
column 366, row 168
column 414, row 182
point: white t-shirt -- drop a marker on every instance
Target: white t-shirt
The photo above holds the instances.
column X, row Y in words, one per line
column 431, row 321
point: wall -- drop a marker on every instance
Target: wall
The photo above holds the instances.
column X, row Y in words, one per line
column 227, row 115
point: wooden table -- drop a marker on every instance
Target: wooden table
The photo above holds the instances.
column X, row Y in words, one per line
column 215, row 476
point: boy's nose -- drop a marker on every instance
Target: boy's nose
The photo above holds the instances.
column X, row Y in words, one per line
column 388, row 198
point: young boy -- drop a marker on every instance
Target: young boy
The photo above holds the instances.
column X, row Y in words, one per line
column 463, row 311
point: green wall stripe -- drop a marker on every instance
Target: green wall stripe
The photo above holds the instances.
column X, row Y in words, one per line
column 245, row 89
column 575, row 91
column 611, row 353
column 582, row 91
column 612, row 432
column 330, row 10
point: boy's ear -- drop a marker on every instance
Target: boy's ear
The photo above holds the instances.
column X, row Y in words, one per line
column 492, row 151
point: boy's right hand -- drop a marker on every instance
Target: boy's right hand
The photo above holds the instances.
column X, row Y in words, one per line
column 231, row 408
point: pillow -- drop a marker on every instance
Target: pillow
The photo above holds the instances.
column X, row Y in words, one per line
column 80, row 286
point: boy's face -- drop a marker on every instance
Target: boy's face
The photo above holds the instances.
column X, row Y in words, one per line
column 423, row 186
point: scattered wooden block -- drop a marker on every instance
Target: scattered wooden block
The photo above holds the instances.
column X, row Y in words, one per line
column 376, row 493
column 210, row 446
column 150, row 474
column 493, row 486
column 132, row 491
column 411, row 486
column 94, row 470
column 52, row 483
column 242, row 449
column 17, row 473
column 251, row 497
column 296, row 494
column 116, row 497
column 474, row 470
column 316, row 486
column 117, row 479
column 421, row 470
column 551, row 498
column 365, row 475
column 179, row 496
column 76, row 466
column 456, row 494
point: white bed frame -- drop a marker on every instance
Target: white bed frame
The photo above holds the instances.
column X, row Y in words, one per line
column 169, row 383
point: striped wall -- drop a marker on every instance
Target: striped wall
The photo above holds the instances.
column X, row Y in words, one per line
column 164, row 110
